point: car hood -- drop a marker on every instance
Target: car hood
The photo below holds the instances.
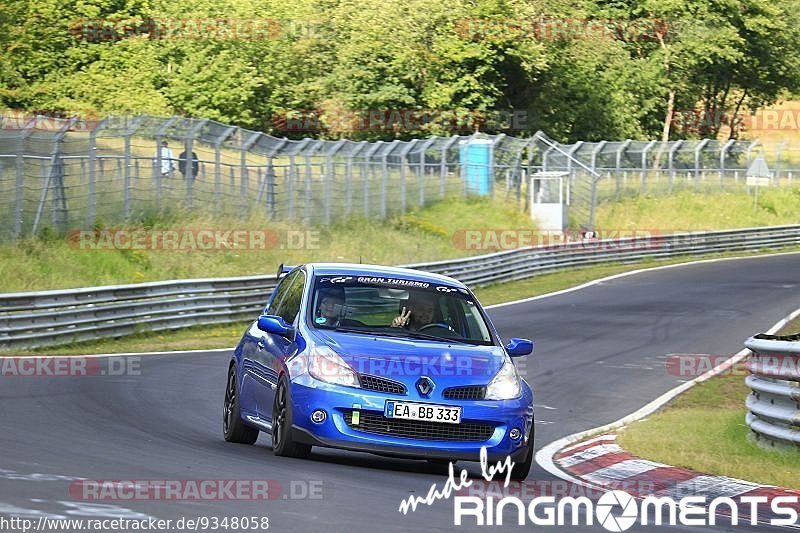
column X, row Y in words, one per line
column 400, row 358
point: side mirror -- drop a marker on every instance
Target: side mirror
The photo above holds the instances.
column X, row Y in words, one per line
column 518, row 347
column 276, row 325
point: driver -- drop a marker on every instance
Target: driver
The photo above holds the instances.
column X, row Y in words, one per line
column 330, row 307
column 418, row 314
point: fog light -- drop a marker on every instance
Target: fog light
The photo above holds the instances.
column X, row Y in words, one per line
column 319, row 416
column 515, row 434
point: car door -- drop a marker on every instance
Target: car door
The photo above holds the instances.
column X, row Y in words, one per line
column 275, row 349
column 254, row 378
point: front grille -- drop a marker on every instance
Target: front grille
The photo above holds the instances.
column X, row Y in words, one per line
column 469, row 392
column 372, row 422
column 381, row 384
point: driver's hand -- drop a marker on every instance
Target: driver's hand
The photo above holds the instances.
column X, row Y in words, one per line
column 403, row 319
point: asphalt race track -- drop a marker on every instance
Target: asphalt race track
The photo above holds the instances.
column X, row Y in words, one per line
column 600, row 355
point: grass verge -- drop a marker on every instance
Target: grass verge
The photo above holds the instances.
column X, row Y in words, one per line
column 426, row 234
column 704, row 430
column 226, row 336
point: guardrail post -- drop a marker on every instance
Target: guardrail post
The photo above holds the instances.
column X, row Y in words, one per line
column 774, row 403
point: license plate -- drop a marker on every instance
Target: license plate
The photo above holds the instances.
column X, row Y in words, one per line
column 423, row 411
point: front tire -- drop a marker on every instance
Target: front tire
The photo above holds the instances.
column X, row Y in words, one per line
column 282, row 443
column 521, row 470
column 233, row 428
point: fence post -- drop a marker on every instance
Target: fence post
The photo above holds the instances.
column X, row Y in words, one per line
column 20, row 181
column 778, row 149
column 384, row 182
column 368, row 172
column 644, row 165
column 671, row 162
column 244, row 183
column 348, row 183
column 443, row 165
column 91, row 212
column 188, row 161
column 571, row 176
column 618, row 162
column 55, row 179
column 722, row 153
column 421, row 168
column 160, row 133
column 218, row 168
column 271, row 177
column 697, row 151
column 290, row 187
column 330, row 174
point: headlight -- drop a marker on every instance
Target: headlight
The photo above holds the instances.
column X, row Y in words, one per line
column 326, row 365
column 505, row 384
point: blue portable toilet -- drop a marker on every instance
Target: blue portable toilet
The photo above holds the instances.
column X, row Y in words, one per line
column 476, row 157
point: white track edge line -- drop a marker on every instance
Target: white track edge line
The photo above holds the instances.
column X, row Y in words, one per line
column 544, row 457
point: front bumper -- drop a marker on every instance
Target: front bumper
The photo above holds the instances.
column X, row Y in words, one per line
column 309, row 394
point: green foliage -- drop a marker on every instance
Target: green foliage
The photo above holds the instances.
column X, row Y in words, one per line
column 459, row 58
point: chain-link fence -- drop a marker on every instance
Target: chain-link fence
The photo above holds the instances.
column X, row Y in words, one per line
column 62, row 174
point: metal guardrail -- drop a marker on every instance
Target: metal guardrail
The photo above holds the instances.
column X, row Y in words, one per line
column 48, row 318
column 774, row 404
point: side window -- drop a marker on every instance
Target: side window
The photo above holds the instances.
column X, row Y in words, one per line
column 280, row 292
column 289, row 306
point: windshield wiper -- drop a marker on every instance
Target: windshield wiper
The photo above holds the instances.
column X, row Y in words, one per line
column 399, row 332
column 418, row 335
column 368, row 331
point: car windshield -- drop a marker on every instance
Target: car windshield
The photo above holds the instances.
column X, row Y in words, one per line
column 388, row 306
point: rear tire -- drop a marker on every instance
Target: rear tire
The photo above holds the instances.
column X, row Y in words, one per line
column 233, row 428
column 282, row 443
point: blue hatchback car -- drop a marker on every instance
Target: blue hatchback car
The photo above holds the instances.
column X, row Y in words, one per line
column 391, row 361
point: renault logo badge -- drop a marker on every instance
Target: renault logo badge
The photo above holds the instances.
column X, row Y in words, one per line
column 425, row 386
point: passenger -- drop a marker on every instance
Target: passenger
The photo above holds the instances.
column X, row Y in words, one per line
column 418, row 313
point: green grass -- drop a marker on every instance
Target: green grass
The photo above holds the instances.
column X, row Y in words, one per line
column 696, row 211
column 704, row 430
column 49, row 262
